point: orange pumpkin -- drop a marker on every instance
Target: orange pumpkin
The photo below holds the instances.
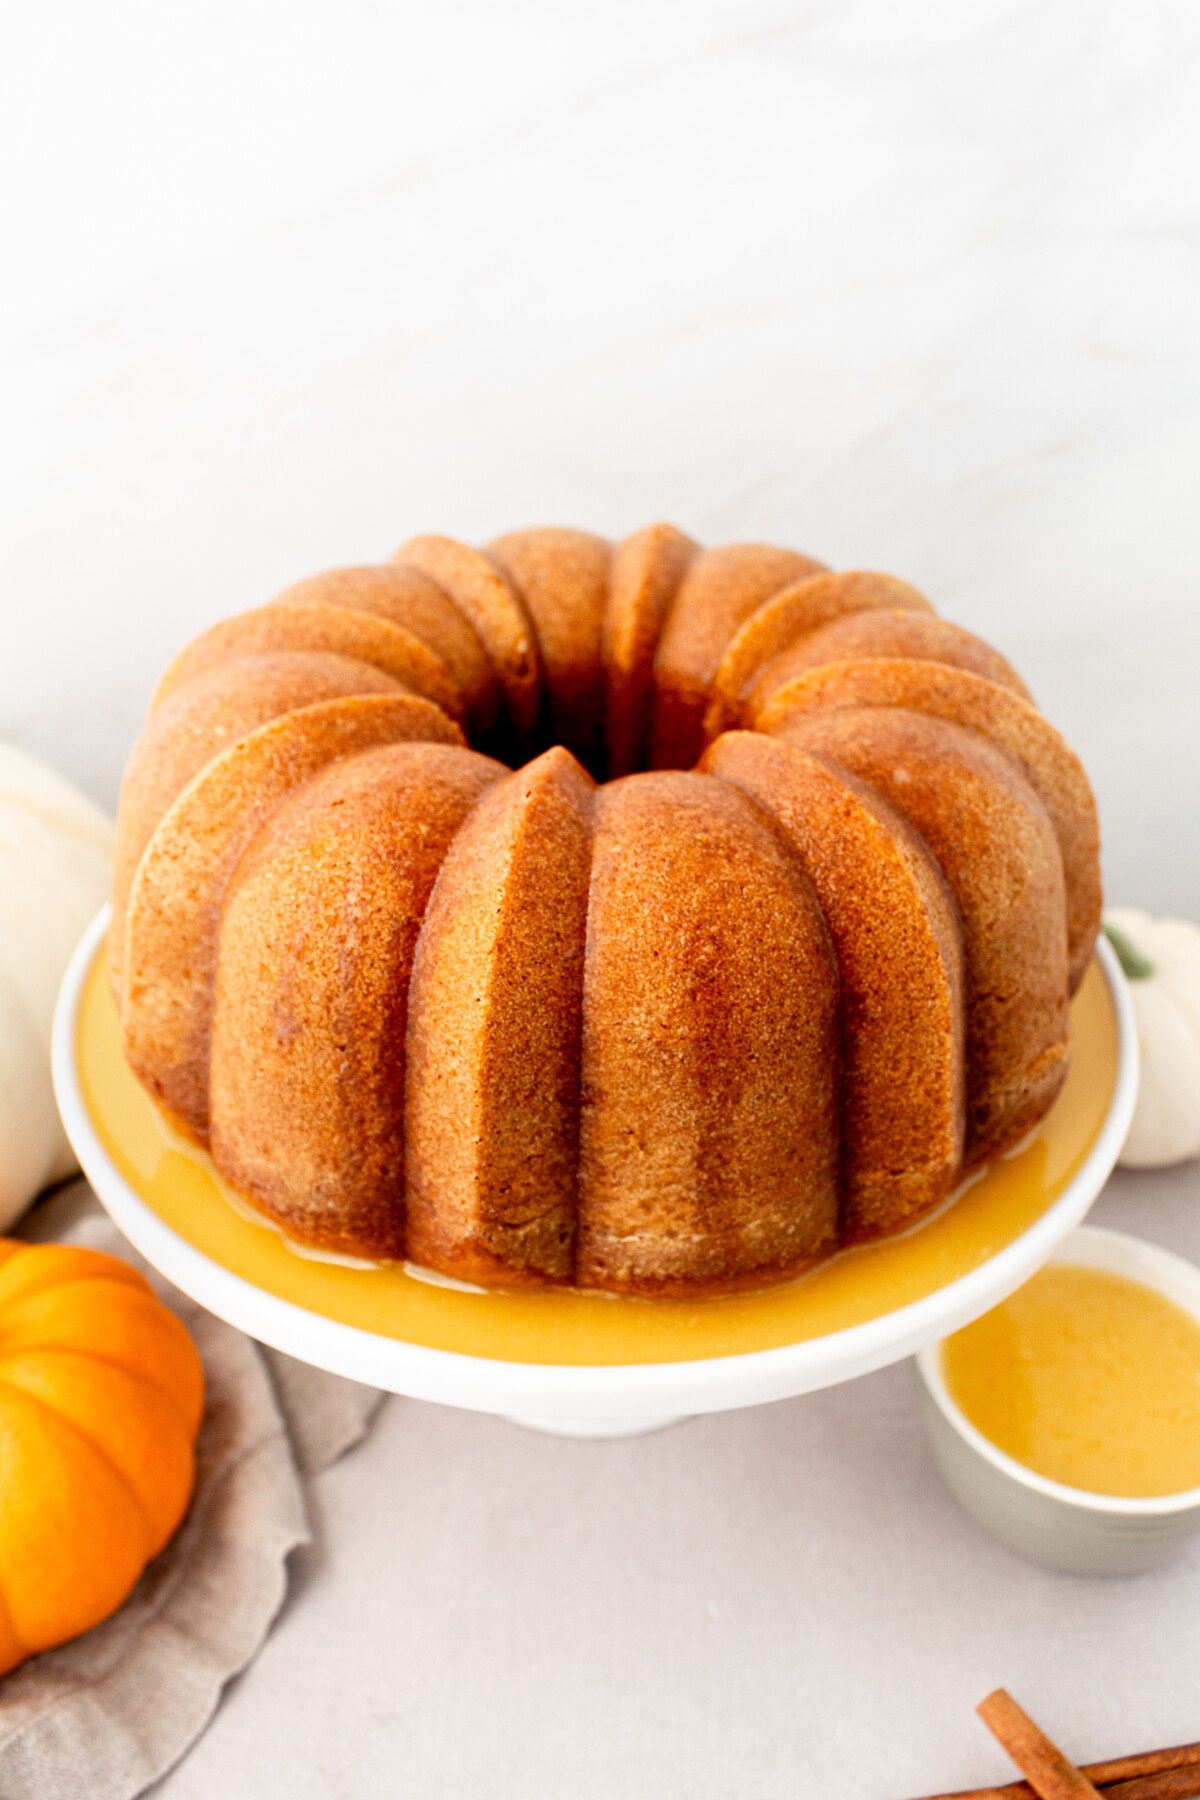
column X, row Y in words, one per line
column 101, row 1393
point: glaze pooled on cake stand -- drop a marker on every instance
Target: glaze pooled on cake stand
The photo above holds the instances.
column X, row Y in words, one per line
column 585, row 1365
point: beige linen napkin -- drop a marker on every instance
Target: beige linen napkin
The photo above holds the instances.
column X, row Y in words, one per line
column 109, row 1713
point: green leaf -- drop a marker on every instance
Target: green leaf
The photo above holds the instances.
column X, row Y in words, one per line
column 1137, row 966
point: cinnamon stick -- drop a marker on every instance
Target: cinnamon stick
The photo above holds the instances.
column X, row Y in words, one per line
column 1172, row 1773
column 1180, row 1783
column 1042, row 1763
column 1146, row 1762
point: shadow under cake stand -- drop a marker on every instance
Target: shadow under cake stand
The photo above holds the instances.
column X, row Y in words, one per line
column 585, row 1365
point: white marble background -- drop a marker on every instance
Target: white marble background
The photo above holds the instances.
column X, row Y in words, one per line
column 912, row 283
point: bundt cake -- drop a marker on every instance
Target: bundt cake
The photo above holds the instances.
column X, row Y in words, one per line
column 634, row 917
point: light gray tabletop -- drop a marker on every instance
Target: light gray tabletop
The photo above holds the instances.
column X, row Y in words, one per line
column 778, row 1602
column 915, row 287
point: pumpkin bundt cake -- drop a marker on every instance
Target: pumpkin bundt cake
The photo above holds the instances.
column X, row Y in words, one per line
column 633, row 917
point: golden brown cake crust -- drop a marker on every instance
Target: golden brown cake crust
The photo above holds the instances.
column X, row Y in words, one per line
column 994, row 843
column 886, row 634
column 404, row 596
column 493, row 1045
column 709, row 1046
column 329, row 628
column 720, row 589
column 562, row 577
column 784, row 619
column 1013, row 725
column 683, row 1034
column 647, row 569
column 175, row 900
column 317, row 938
column 896, row 936
column 484, row 593
column 199, row 720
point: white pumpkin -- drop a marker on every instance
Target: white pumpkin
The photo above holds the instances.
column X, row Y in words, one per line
column 1161, row 957
column 55, row 851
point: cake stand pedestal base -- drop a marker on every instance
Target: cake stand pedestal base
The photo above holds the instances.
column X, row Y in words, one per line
column 596, row 1428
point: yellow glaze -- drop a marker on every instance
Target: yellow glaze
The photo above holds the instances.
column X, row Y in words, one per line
column 1087, row 1378
column 179, row 1184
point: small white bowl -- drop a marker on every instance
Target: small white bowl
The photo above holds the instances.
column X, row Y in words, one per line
column 1064, row 1527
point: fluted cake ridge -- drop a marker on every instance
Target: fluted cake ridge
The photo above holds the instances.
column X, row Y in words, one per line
column 637, row 917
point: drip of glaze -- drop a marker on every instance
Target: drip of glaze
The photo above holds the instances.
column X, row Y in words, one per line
column 179, row 1184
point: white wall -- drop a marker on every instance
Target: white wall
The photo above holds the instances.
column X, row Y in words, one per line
column 913, row 284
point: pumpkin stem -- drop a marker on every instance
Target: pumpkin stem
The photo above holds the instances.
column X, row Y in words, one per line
column 1135, row 964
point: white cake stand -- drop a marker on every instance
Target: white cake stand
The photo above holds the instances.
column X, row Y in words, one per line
column 572, row 1400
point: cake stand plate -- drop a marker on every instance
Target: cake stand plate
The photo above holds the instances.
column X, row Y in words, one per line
column 580, row 1365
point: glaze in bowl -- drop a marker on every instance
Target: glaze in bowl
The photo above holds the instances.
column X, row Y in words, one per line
column 1067, row 1528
